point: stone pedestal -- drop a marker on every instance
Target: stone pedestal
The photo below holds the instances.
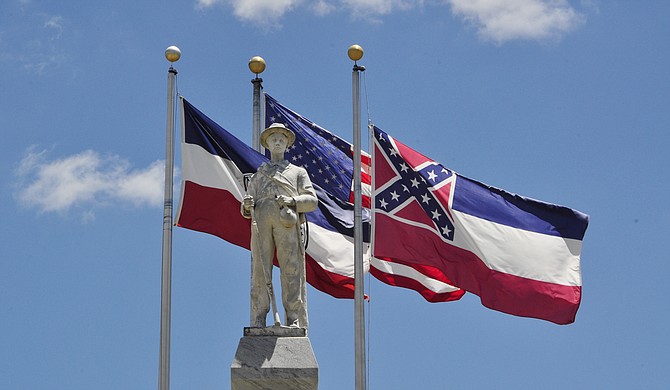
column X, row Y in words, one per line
column 274, row 358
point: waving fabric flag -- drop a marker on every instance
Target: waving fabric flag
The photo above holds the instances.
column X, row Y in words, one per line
column 313, row 133
column 433, row 286
column 328, row 160
column 520, row 256
column 213, row 166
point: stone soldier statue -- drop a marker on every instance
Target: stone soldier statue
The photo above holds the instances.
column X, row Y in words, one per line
column 278, row 195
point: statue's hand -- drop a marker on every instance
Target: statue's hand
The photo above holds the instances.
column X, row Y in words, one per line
column 284, row 200
column 248, row 202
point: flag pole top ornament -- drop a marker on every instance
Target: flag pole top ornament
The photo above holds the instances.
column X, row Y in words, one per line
column 257, row 65
column 277, row 128
column 355, row 52
column 172, row 54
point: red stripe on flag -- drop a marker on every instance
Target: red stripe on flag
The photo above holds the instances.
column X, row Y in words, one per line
column 338, row 286
column 366, row 178
column 425, row 269
column 403, row 281
column 364, row 199
column 217, row 212
column 214, row 211
column 497, row 290
column 366, row 159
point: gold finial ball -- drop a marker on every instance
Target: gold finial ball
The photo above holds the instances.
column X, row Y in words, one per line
column 355, row 52
column 257, row 65
column 172, row 53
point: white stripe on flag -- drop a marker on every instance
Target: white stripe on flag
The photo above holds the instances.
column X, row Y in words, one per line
column 409, row 272
column 520, row 252
column 334, row 251
column 205, row 169
column 514, row 251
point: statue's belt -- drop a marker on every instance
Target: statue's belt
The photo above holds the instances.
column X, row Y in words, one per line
column 265, row 199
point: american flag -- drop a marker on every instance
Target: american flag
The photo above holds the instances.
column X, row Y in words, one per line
column 327, row 158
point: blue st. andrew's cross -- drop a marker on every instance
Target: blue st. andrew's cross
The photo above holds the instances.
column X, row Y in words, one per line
column 415, row 183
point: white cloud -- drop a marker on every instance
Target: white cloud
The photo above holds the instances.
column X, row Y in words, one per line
column 505, row 20
column 55, row 23
column 365, row 8
column 495, row 20
column 34, row 44
column 263, row 11
column 322, row 7
column 143, row 187
column 267, row 13
column 86, row 180
column 205, row 3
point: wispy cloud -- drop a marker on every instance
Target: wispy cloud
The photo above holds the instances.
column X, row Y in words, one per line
column 265, row 13
column 270, row 12
column 86, row 181
column 322, row 8
column 370, row 9
column 205, row 3
column 505, row 20
column 55, row 24
column 34, row 44
column 495, row 20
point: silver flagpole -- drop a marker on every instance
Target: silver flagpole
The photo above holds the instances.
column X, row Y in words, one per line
column 355, row 53
column 172, row 54
column 257, row 66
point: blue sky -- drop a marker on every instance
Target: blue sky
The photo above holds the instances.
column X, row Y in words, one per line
column 564, row 101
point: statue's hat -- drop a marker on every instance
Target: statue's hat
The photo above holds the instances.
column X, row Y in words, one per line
column 277, row 128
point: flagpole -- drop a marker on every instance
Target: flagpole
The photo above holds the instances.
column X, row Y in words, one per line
column 355, row 53
column 257, row 66
column 172, row 54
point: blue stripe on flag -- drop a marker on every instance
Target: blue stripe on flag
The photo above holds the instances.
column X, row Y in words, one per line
column 499, row 206
column 218, row 141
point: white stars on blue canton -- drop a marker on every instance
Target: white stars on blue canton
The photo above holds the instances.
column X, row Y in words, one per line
column 414, row 185
column 326, row 157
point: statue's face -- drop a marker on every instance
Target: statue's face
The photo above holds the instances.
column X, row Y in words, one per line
column 277, row 142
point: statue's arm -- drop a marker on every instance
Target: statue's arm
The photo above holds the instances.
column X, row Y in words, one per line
column 306, row 200
column 245, row 208
column 248, row 201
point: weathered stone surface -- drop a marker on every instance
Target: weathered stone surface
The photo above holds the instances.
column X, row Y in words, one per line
column 277, row 198
column 274, row 363
column 278, row 331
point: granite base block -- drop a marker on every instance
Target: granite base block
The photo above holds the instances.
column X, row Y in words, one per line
column 274, row 363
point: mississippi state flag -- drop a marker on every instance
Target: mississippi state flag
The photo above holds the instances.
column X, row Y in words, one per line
column 519, row 255
column 214, row 163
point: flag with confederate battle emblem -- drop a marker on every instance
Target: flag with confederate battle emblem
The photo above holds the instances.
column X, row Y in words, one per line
column 519, row 255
